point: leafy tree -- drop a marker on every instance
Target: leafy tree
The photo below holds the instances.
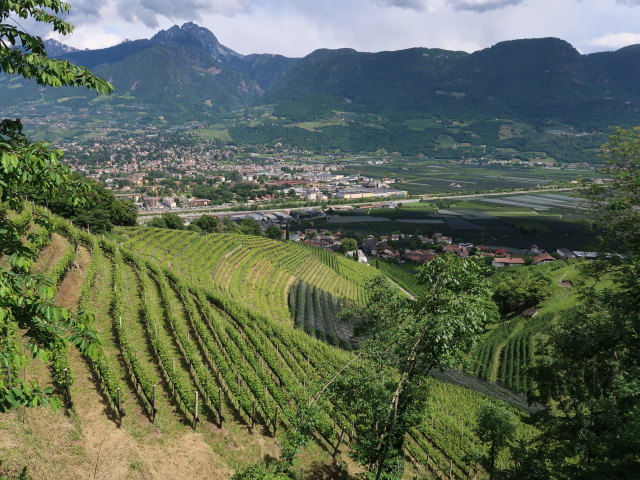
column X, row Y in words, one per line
column 412, row 337
column 31, row 60
column 192, row 227
column 496, row 426
column 519, row 289
column 348, row 245
column 208, row 224
column 304, row 422
column 588, row 372
column 614, row 205
column 272, row 231
column 98, row 221
column 33, row 170
column 364, row 391
column 357, row 236
column 157, row 222
column 229, row 225
column 100, row 211
column 124, row 213
column 167, row 220
column 249, row 226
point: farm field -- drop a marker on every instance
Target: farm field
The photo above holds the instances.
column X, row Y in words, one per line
column 420, row 177
column 516, row 221
column 213, row 132
column 192, row 375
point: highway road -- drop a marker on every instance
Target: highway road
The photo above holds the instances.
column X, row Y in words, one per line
column 145, row 216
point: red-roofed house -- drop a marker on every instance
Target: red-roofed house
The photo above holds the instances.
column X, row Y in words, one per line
column 389, row 253
column 419, row 256
column 452, row 248
column 507, row 262
column 543, row 258
column 439, row 238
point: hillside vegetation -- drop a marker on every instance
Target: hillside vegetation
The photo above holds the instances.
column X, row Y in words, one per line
column 260, row 273
column 508, row 349
column 530, row 97
column 204, row 361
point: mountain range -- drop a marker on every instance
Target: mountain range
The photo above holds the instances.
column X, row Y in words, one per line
column 185, row 73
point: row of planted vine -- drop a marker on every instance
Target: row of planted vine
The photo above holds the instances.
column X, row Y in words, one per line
column 254, row 270
column 518, row 355
column 100, row 364
column 261, row 368
column 317, row 313
column 36, row 240
column 426, row 442
column 236, row 353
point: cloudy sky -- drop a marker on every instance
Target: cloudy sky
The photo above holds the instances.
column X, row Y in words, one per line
column 297, row 27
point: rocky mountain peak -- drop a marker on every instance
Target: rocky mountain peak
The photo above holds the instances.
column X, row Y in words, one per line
column 200, row 35
column 55, row 48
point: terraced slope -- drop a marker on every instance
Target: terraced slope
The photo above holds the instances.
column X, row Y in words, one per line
column 178, row 355
column 255, row 272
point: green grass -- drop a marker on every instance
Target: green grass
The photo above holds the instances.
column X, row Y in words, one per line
column 213, row 134
column 315, row 126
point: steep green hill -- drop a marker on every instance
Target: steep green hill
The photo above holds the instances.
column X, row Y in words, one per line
column 282, row 279
column 534, row 80
column 178, row 354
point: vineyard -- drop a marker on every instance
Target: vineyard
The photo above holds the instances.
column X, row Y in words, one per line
column 183, row 347
column 402, row 274
column 316, row 312
column 508, row 348
column 253, row 271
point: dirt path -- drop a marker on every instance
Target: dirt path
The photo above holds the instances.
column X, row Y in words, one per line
column 68, row 291
column 110, row 450
column 50, row 254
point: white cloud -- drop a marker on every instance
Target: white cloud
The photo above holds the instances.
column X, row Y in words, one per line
column 149, row 11
column 616, row 40
column 83, row 38
column 482, row 5
column 297, row 27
